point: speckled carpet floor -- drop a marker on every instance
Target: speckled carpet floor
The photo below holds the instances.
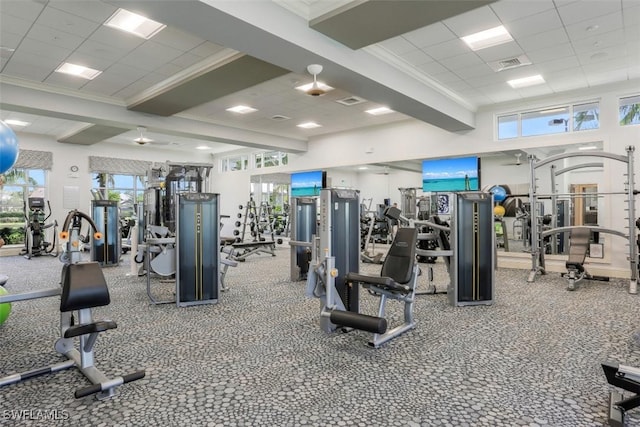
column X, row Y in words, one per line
column 258, row 357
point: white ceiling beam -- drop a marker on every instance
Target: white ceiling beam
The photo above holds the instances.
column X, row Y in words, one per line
column 64, row 106
column 269, row 32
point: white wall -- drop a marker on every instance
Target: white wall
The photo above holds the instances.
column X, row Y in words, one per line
column 399, row 141
column 66, row 155
column 416, row 140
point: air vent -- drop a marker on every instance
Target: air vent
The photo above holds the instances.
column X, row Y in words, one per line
column 351, row 100
column 507, row 64
column 279, row 118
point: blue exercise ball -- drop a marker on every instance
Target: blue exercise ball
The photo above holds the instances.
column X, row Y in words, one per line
column 499, row 193
column 8, row 147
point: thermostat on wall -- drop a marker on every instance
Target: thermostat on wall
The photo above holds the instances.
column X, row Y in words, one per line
column 73, row 168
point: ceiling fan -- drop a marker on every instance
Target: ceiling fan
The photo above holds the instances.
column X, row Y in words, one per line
column 142, row 140
column 315, row 89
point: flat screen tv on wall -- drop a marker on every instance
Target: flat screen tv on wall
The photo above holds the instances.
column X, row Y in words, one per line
column 308, row 184
column 448, row 175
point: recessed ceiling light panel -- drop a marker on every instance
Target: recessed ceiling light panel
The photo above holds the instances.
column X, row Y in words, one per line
column 487, row 38
column 526, row 81
column 309, row 125
column 78, row 71
column 379, row 111
column 133, row 23
column 202, row 147
column 14, row 122
column 241, row 109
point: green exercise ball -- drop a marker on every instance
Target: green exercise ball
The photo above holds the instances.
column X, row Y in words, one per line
column 5, row 308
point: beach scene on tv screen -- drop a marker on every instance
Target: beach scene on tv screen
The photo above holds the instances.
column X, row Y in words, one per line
column 305, row 184
column 444, row 175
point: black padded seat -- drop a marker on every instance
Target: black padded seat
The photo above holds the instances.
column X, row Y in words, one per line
column 83, row 286
column 397, row 269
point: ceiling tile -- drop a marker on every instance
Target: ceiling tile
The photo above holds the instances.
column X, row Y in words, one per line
column 464, row 60
column 67, row 22
column 186, row 60
column 10, row 41
column 475, row 20
column 508, row 11
column 447, row 49
column 45, row 50
column 599, row 42
column 150, row 55
column 631, row 10
column 54, row 37
column 547, row 54
column 416, row 57
column 595, row 26
column 535, row 24
column 596, row 79
column 457, row 85
column 177, row 39
column 99, row 50
column 632, row 32
column 432, row 68
column 486, row 80
column 543, row 40
column 117, row 40
column 430, row 35
column 65, row 80
column 168, row 69
column 106, row 84
column 503, row 51
column 30, row 67
column 568, row 62
column 91, row 61
column 25, row 10
column 537, row 90
column 587, row 9
column 397, row 45
column 591, row 65
column 96, row 11
column 563, row 81
column 206, row 49
column 475, row 71
column 446, row 78
column 12, row 25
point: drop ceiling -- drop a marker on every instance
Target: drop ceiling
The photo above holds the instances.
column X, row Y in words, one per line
column 421, row 70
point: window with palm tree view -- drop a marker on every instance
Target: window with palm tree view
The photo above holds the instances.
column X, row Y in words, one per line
column 629, row 110
column 16, row 186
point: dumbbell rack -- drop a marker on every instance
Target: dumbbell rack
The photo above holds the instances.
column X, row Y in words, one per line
column 249, row 222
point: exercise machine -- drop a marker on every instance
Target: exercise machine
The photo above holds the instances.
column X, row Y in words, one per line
column 580, row 238
column 626, row 378
column 303, row 223
column 35, row 229
column 83, row 288
column 538, row 236
column 335, row 279
column 72, row 234
column 197, row 251
column 467, row 245
column 106, row 251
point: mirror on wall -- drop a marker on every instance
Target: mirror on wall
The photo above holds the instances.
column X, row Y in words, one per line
column 389, row 181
